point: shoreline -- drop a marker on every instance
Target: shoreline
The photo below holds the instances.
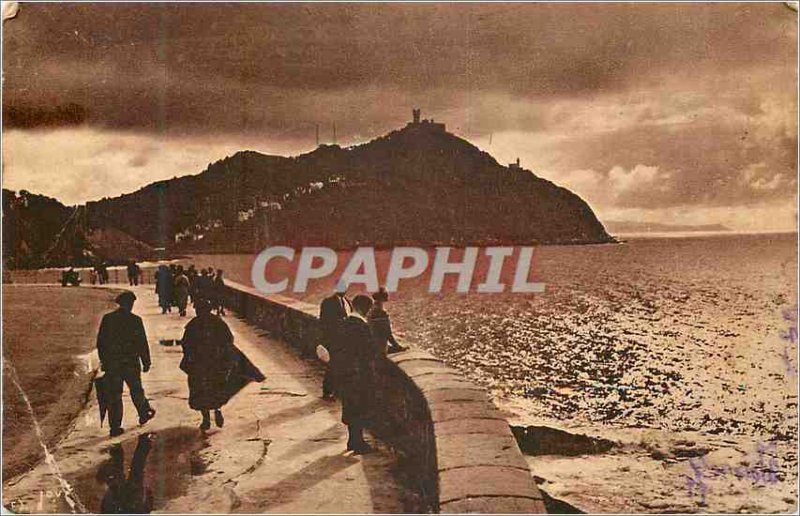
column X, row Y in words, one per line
column 616, row 239
column 56, row 425
column 583, row 465
column 68, row 374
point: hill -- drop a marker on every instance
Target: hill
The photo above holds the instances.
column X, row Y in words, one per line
column 35, row 231
column 39, row 231
column 416, row 185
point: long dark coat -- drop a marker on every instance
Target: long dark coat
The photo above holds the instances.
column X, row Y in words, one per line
column 203, row 288
column 354, row 352
column 181, row 291
column 332, row 312
column 164, row 283
column 216, row 368
column 209, row 359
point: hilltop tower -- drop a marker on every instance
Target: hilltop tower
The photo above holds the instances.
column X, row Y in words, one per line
column 423, row 124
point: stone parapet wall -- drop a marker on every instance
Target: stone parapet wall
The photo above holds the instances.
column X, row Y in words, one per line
column 460, row 446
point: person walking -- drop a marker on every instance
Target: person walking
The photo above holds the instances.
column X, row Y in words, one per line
column 355, row 350
column 173, row 270
column 133, row 273
column 332, row 312
column 124, row 355
column 203, row 287
column 164, row 285
column 209, row 360
column 219, row 293
column 102, row 271
column 181, row 291
column 191, row 273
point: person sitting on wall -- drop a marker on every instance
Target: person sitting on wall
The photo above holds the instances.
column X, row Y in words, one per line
column 351, row 371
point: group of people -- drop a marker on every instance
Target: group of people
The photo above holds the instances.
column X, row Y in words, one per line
column 215, row 367
column 178, row 287
column 357, row 335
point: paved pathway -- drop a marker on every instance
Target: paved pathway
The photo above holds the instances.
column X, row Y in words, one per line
column 281, row 449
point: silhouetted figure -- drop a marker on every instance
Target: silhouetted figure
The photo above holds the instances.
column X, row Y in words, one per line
column 204, row 287
column 173, row 270
column 124, row 355
column 102, row 272
column 383, row 342
column 381, row 326
column 191, row 273
column 354, row 350
column 332, row 312
column 164, row 285
column 93, row 275
column 126, row 495
column 209, row 359
column 133, row 273
column 219, row 293
column 70, row 277
column 181, row 291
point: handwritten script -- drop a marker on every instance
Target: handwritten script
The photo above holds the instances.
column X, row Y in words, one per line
column 762, row 472
column 790, row 338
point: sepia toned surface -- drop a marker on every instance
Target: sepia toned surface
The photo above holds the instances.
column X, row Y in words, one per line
column 647, row 153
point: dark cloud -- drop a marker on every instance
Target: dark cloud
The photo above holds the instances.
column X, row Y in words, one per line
column 714, row 159
column 646, row 106
column 43, row 116
column 246, row 67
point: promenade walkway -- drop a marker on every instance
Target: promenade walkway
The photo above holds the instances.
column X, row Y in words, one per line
column 282, row 448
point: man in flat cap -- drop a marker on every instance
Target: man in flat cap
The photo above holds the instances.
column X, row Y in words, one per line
column 124, row 355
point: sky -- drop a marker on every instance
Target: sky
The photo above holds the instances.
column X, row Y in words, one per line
column 671, row 113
